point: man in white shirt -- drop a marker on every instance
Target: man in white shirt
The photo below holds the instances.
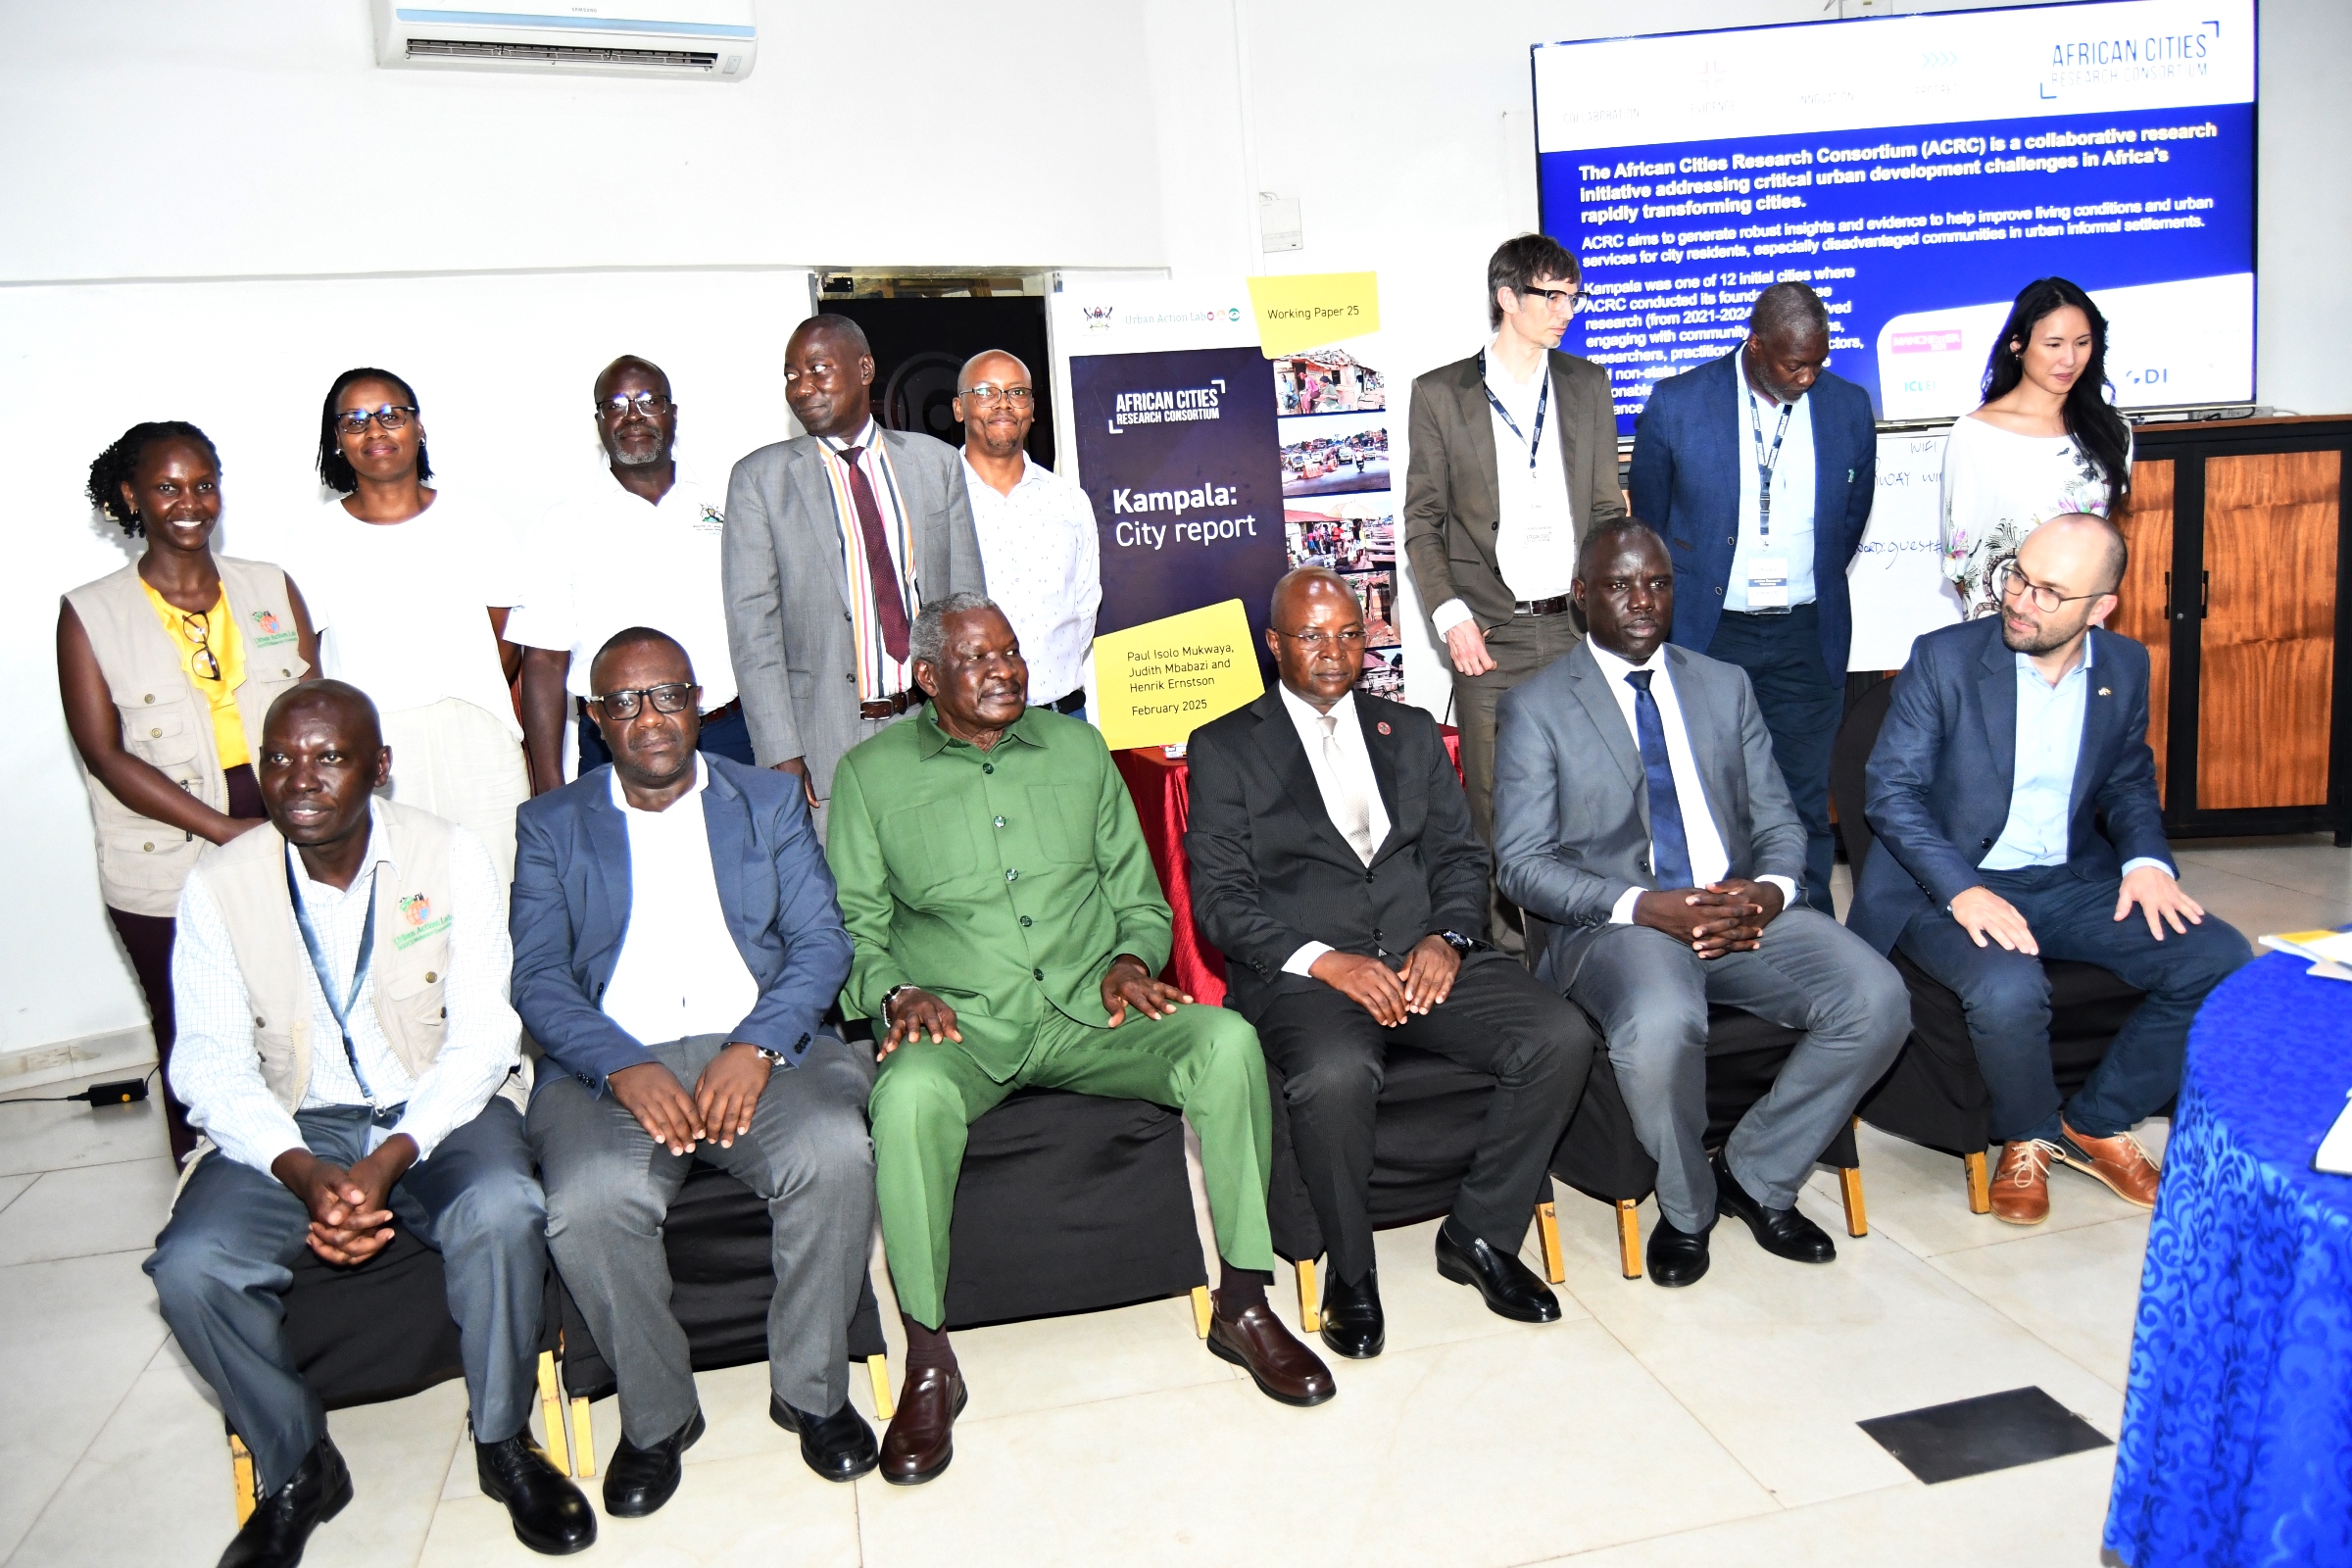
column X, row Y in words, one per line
column 1515, row 458
column 1638, row 810
column 642, row 549
column 1038, row 543
column 346, row 1048
column 676, row 946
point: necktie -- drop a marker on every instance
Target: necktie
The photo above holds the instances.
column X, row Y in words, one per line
column 1670, row 851
column 1350, row 808
column 889, row 604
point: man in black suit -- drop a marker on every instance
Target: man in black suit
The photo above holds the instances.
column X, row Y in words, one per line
column 1334, row 862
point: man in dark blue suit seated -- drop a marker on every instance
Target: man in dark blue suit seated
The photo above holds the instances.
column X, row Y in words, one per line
column 1758, row 468
column 676, row 945
column 2012, row 796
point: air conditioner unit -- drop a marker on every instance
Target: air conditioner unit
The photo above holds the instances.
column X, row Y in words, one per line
column 713, row 40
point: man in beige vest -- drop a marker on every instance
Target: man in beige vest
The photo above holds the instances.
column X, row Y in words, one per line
column 347, row 1051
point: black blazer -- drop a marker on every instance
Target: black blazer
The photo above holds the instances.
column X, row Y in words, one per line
column 1271, row 873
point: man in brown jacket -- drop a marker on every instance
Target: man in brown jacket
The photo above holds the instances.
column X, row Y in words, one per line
column 1509, row 467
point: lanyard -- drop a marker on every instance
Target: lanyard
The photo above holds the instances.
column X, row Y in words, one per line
column 326, row 982
column 1542, row 400
column 1766, row 465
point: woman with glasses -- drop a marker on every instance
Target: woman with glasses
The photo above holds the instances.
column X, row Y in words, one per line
column 410, row 586
column 2045, row 442
column 166, row 670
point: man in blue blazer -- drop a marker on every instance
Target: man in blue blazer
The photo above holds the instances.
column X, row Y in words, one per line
column 1758, row 468
column 676, row 946
column 2012, row 796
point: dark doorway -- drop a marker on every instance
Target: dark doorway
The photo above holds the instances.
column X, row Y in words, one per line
column 920, row 344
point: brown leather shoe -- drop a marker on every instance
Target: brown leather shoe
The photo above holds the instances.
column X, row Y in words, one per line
column 922, row 1436
column 2119, row 1162
column 1282, row 1368
column 2021, row 1187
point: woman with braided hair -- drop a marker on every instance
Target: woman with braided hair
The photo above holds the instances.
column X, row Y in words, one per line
column 166, row 668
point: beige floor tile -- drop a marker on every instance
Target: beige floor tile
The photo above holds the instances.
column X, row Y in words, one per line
column 1050, row 1362
column 1480, row 1452
column 2258, row 906
column 2078, row 1290
column 1916, row 1196
column 2309, row 863
column 154, row 1489
column 43, row 1136
column 2048, row 1514
column 1779, row 1361
column 88, row 1209
column 401, row 1455
column 12, row 1188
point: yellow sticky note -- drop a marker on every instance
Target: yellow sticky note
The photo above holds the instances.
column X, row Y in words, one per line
column 1157, row 682
column 1308, row 309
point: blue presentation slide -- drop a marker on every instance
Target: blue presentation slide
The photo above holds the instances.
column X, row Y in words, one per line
column 1918, row 173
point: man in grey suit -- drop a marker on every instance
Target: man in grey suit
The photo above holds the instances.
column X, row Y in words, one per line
column 1638, row 810
column 1514, row 457
column 835, row 541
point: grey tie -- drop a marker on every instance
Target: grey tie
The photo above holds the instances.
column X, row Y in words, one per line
column 1350, row 808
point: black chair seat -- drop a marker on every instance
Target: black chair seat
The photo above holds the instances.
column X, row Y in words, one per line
column 1424, row 1133
column 379, row 1330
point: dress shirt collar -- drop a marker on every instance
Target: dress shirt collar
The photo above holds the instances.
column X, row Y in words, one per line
column 931, row 740
column 2024, row 664
column 1031, row 473
column 1616, row 668
column 378, row 854
column 701, row 782
column 1303, row 712
column 864, row 439
column 1501, row 379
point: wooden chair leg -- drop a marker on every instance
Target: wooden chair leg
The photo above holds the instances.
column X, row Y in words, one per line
column 551, row 1409
column 583, row 1441
column 1202, row 1309
column 1311, row 1299
column 1850, row 1186
column 1979, row 1183
column 1629, row 1238
column 240, row 1471
column 877, row 1372
column 1547, row 1236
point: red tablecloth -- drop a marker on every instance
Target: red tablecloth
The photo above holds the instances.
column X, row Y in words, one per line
column 1162, row 797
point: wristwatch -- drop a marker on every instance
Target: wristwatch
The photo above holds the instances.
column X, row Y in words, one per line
column 1458, row 943
column 889, row 996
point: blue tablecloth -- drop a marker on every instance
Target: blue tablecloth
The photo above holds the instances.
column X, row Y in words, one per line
column 2237, row 1424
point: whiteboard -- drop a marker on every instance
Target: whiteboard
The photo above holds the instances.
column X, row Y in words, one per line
column 1896, row 578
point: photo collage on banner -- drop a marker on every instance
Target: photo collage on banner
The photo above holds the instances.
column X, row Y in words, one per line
column 1338, row 501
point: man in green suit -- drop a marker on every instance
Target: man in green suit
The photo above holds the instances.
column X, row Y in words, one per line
column 1009, row 925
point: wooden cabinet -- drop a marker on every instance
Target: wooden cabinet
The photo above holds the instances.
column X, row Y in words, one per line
column 2237, row 587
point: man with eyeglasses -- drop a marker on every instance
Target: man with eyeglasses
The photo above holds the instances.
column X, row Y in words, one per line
column 639, row 548
column 1759, row 469
column 1333, row 862
column 2014, row 800
column 676, row 946
column 1514, row 458
column 1037, row 531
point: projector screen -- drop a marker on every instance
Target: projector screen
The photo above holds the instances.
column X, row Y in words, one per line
column 1917, row 171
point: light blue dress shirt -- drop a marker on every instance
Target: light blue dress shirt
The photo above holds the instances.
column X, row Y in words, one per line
column 2042, row 793
column 1792, row 498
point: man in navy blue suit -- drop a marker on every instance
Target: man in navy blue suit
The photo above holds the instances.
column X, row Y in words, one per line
column 676, row 946
column 2013, row 796
column 1758, row 468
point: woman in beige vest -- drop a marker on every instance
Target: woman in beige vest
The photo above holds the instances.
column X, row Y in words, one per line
column 167, row 668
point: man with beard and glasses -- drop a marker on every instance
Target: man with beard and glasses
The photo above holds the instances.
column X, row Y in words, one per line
column 2013, row 799
column 640, row 548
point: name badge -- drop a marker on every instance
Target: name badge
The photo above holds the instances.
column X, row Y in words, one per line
column 1767, row 582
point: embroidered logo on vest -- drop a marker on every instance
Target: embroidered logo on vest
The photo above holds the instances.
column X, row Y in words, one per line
column 268, row 631
column 417, row 911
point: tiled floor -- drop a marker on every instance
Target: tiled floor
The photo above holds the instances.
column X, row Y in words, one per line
column 1709, row 1426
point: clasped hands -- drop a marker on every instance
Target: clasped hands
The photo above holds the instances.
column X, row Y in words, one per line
column 719, row 1111
column 350, row 1220
column 1988, row 918
column 1727, row 917
column 916, row 1014
column 1391, row 996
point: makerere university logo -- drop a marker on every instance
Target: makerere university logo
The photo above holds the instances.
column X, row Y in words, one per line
column 1098, row 316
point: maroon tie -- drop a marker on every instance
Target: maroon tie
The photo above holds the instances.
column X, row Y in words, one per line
column 882, row 577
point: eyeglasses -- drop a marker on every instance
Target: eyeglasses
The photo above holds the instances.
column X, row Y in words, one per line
column 1559, row 300
column 1317, row 641
column 391, row 417
column 985, row 396
column 669, row 698
column 2045, row 600
column 651, row 404
column 203, row 662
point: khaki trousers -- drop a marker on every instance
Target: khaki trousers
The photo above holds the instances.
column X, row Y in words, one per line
column 1519, row 649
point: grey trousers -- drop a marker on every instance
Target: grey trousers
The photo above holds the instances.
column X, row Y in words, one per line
column 224, row 1262
column 1520, row 649
column 608, row 1190
column 1651, row 993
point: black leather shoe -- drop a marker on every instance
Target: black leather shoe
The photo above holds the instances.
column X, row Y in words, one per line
column 550, row 1515
column 281, row 1525
column 1353, row 1325
column 1509, row 1286
column 1782, row 1232
column 641, row 1480
column 1676, row 1258
column 839, row 1446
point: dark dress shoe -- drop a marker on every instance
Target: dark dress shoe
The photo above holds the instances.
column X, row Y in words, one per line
column 640, row 1480
column 282, row 1522
column 921, row 1439
column 1676, row 1258
column 839, row 1446
column 1353, row 1325
column 1282, row 1368
column 1782, row 1232
column 550, row 1515
column 1509, row 1286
